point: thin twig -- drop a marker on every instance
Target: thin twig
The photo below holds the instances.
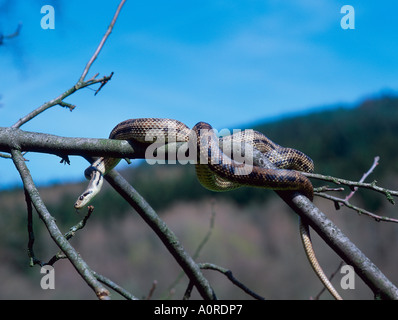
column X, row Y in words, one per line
column 200, row 246
column 153, row 288
column 8, row 156
column 80, row 225
column 208, row 234
column 80, row 84
column 365, row 175
column 103, row 83
column 67, row 105
column 230, row 276
column 57, row 101
column 338, row 201
column 188, row 291
column 16, row 33
column 71, row 233
column 99, row 48
column 32, row 258
column 123, row 292
column 12, row 35
column 372, row 186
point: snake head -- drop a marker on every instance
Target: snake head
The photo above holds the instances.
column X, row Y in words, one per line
column 83, row 200
column 93, row 188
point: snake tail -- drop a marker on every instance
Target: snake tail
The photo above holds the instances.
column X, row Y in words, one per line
column 309, row 250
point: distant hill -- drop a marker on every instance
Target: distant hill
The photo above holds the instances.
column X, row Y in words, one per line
column 344, row 141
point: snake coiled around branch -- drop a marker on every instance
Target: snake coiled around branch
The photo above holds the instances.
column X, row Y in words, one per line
column 218, row 167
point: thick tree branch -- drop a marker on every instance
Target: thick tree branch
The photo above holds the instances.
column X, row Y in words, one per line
column 334, row 237
column 79, row 264
column 168, row 238
column 52, row 144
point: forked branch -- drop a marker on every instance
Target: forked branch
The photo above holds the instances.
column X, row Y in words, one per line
column 73, row 256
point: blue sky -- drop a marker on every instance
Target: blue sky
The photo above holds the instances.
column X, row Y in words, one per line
column 226, row 62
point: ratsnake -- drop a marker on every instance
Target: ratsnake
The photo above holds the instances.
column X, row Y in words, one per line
column 216, row 168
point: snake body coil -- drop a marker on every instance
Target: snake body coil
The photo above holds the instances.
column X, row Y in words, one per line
column 218, row 172
column 216, row 169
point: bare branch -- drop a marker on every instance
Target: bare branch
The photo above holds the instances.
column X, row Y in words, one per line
column 32, row 258
column 199, row 248
column 231, row 277
column 70, row 234
column 16, row 33
column 381, row 286
column 365, row 175
column 168, row 238
column 334, row 237
column 114, row 286
column 339, row 201
column 79, row 264
column 58, row 101
column 12, row 35
column 372, row 186
column 67, row 105
column 99, row 48
column 103, row 83
column 80, row 84
column 153, row 288
column 62, row 146
column 31, row 194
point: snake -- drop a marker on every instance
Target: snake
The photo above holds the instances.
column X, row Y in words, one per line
column 216, row 168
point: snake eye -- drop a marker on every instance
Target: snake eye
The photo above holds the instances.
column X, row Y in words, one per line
column 81, row 198
column 88, row 172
